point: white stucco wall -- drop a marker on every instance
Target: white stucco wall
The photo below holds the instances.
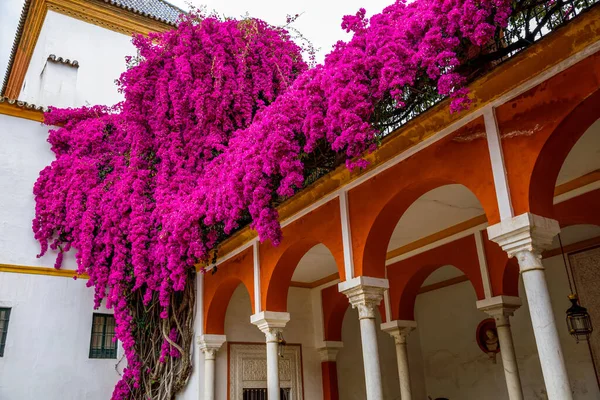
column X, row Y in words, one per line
column 48, row 341
column 47, row 348
column 453, row 365
column 99, row 51
column 23, row 154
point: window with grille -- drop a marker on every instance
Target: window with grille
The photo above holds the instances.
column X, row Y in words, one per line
column 261, row 394
column 103, row 332
column 4, row 317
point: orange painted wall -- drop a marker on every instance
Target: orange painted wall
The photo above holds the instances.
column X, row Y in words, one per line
column 330, row 382
column 334, row 306
column 219, row 287
column 584, row 209
column 277, row 264
column 540, row 127
column 377, row 205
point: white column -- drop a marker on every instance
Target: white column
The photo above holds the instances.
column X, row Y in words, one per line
column 271, row 324
column 366, row 293
column 501, row 308
column 526, row 237
column 400, row 330
column 210, row 345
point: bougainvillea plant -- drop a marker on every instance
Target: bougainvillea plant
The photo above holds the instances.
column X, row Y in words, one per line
column 221, row 119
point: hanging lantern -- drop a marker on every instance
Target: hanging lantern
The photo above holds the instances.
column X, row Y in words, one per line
column 282, row 343
column 578, row 320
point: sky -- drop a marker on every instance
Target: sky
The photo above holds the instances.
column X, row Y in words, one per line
column 319, row 22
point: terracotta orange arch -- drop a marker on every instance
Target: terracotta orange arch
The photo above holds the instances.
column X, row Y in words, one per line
column 541, row 126
column 582, row 209
column 407, row 276
column 219, row 287
column 334, row 306
column 555, row 151
column 377, row 205
column 277, row 264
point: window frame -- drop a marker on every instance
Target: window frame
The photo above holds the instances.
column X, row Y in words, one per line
column 103, row 353
column 5, row 311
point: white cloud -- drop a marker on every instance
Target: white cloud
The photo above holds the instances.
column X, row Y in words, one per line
column 320, row 20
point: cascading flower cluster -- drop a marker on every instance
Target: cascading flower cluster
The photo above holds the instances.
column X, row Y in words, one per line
column 218, row 118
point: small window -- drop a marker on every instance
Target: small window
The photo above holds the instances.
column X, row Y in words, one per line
column 103, row 332
column 4, row 317
column 261, row 394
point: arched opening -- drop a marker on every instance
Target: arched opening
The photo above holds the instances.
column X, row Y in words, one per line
column 304, row 264
column 316, row 266
column 438, row 210
column 568, row 155
column 420, row 215
column 219, row 287
column 436, row 229
column 237, row 324
column 448, row 361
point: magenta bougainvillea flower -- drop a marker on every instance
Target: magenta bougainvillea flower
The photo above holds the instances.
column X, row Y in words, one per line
column 217, row 118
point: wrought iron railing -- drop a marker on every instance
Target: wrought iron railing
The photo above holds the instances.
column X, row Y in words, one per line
column 530, row 22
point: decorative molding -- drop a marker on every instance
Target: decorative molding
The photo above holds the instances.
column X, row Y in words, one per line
column 270, row 323
column 64, row 61
column 399, row 329
column 365, row 294
column 21, row 109
column 329, row 351
column 248, row 369
column 500, row 308
column 29, row 270
column 524, row 233
column 210, row 345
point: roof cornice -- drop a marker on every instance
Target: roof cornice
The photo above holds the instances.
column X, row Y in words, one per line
column 21, row 109
column 104, row 13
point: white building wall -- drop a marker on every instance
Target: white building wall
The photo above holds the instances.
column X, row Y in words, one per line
column 455, row 367
column 99, row 51
column 47, row 348
column 23, row 154
column 48, row 341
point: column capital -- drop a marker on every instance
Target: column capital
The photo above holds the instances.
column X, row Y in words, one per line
column 524, row 233
column 364, row 293
column 500, row 307
column 399, row 329
column 329, row 350
column 210, row 344
column 270, row 322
